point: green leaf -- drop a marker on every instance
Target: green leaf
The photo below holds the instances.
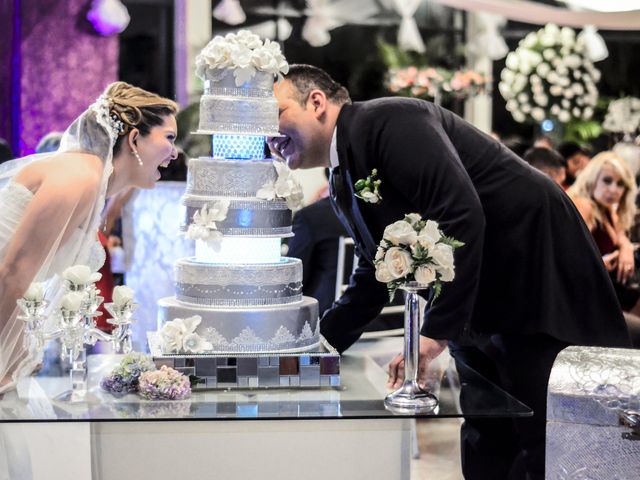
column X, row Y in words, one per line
column 391, row 288
column 437, row 289
column 452, row 242
column 360, row 184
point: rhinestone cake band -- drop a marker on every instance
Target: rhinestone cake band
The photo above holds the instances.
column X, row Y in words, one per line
column 245, row 217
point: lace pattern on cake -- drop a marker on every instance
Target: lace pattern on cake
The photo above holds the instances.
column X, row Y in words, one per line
column 285, row 272
column 249, row 341
column 230, row 178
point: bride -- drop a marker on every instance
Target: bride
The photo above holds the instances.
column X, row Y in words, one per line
column 51, row 204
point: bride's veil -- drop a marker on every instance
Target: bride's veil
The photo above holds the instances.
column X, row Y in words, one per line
column 93, row 132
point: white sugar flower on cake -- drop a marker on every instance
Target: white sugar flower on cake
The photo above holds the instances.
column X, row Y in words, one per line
column 285, row 186
column 244, row 53
column 204, row 222
column 178, row 336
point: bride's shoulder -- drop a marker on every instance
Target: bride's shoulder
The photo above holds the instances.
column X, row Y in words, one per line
column 77, row 170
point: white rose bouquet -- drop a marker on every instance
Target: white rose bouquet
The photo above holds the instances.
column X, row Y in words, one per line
column 623, row 115
column 414, row 249
column 550, row 75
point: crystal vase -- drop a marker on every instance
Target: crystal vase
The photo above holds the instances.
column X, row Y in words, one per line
column 410, row 397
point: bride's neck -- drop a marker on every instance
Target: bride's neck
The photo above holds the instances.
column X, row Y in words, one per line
column 118, row 181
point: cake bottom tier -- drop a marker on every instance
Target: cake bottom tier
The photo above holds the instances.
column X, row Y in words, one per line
column 279, row 328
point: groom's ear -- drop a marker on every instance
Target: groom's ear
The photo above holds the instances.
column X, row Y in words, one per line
column 317, row 102
column 132, row 138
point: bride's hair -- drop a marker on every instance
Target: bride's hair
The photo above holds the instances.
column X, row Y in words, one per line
column 137, row 108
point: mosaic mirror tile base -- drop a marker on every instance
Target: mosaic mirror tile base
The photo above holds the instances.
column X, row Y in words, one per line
column 311, row 369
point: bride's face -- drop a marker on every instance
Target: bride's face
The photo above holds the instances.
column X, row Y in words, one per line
column 156, row 150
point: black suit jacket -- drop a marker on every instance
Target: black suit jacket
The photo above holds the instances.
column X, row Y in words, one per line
column 317, row 230
column 529, row 263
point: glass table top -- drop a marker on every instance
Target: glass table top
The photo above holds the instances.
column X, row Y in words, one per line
column 360, row 396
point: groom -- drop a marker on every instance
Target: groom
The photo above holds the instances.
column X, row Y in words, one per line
column 529, row 280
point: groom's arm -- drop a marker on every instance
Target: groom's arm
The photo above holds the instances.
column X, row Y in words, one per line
column 361, row 302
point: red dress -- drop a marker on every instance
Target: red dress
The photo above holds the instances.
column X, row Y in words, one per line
column 105, row 285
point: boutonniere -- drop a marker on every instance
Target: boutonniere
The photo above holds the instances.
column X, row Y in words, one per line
column 368, row 189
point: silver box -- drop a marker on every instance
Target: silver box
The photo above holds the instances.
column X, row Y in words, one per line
column 592, row 404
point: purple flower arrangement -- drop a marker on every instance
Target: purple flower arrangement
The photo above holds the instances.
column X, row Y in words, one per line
column 164, row 384
column 125, row 377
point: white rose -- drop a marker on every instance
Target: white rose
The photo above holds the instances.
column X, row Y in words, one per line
column 442, row 255
column 412, row 218
column 564, row 116
column 71, row 301
column 518, row 116
column 525, row 108
column 523, row 97
column 564, row 81
column 425, row 274
column 537, row 89
column 588, row 113
column 379, row 254
column 399, row 262
column 568, row 94
column 35, row 292
column 596, row 74
column 429, row 235
column 565, row 103
column 81, row 275
column 512, row 105
column 549, row 54
column 542, row 100
column 530, row 40
column 512, row 61
column 505, row 90
column 537, row 114
column 370, row 197
column 576, row 112
column 555, row 109
column 577, row 74
column 555, row 90
column 382, row 273
column 122, row 295
column 553, row 77
column 577, row 88
column 535, row 80
column 507, row 75
column 446, row 274
column 400, row 232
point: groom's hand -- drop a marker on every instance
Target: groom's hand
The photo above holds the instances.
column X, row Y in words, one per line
column 429, row 349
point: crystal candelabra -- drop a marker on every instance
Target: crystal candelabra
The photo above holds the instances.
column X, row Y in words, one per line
column 76, row 328
column 410, row 397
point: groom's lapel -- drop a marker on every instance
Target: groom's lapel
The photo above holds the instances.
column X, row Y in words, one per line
column 343, row 196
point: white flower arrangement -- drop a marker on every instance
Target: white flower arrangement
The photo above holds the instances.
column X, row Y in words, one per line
column 285, row 187
column 623, row 115
column 414, row 249
column 79, row 276
column 244, row 53
column 178, row 336
column 368, row 189
column 550, row 75
column 35, row 292
column 122, row 296
column 71, row 302
column 204, row 222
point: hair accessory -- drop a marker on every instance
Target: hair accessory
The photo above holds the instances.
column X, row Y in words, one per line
column 110, row 121
column 137, row 155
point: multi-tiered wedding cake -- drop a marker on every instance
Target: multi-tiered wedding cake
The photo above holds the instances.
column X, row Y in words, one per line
column 238, row 294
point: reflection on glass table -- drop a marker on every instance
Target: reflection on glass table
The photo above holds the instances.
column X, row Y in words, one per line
column 361, row 396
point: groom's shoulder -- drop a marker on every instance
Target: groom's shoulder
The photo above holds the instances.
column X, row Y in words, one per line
column 391, row 106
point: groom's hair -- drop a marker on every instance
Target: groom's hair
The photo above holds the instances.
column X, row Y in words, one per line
column 307, row 77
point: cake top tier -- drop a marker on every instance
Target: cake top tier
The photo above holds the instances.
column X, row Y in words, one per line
column 244, row 53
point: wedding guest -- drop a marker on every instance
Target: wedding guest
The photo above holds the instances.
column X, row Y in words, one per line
column 5, row 151
column 50, row 142
column 604, row 193
column 576, row 159
column 548, row 161
column 52, row 203
column 513, row 304
column 543, row 141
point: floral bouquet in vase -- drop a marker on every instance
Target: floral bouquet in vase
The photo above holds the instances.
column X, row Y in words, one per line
column 413, row 254
column 415, row 250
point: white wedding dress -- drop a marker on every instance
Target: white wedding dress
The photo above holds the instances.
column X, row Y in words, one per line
column 14, row 199
column 93, row 133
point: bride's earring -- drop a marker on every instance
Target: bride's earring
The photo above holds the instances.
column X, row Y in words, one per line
column 137, row 155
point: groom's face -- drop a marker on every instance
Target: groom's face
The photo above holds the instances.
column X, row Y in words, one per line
column 302, row 144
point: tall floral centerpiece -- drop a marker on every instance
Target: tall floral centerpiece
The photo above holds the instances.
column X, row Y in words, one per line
column 623, row 120
column 550, row 76
column 414, row 255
